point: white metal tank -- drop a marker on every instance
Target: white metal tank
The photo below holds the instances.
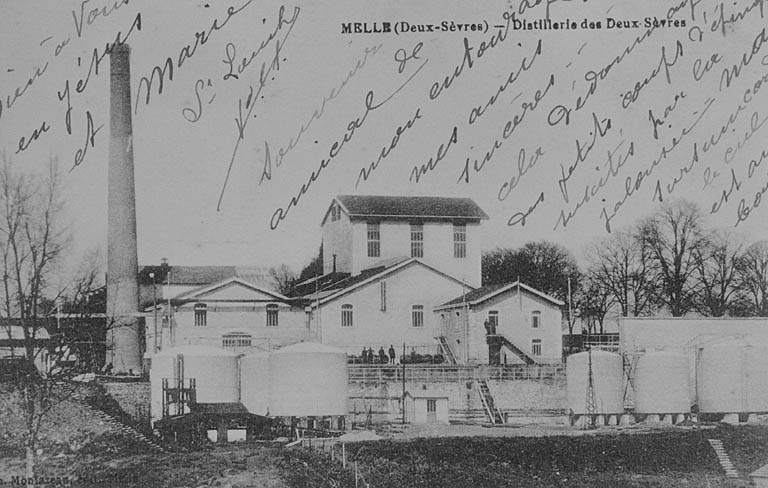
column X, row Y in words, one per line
column 308, row 379
column 215, row 371
column 607, row 377
column 661, row 382
column 254, row 382
column 731, row 377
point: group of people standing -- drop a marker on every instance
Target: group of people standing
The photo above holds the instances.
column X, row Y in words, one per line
column 369, row 358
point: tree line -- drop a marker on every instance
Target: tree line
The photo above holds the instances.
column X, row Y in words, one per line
column 668, row 263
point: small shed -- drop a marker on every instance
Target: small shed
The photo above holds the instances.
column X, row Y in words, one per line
column 426, row 407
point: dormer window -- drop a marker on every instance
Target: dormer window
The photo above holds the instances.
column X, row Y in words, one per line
column 201, row 315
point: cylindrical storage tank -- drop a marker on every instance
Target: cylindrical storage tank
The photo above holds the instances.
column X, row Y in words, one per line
column 215, row 372
column 308, row 379
column 731, row 378
column 162, row 368
column 662, row 383
column 607, row 380
column 254, row 382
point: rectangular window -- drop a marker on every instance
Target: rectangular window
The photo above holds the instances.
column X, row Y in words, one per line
column 374, row 240
column 535, row 320
column 417, row 240
column 459, row 241
column 236, row 340
column 536, row 347
column 201, row 315
column 383, row 296
column 417, row 315
column 346, row 315
column 493, row 318
column 431, row 406
column 272, row 310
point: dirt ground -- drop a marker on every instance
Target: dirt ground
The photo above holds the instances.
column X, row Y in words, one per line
column 554, row 427
column 272, row 466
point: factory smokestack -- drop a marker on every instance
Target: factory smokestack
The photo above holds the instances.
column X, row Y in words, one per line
column 123, row 337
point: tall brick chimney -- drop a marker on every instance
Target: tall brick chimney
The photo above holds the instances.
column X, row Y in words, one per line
column 123, row 337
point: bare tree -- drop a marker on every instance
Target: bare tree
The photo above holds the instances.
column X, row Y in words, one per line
column 673, row 236
column 717, row 261
column 283, row 278
column 620, row 263
column 753, row 277
column 32, row 241
column 595, row 302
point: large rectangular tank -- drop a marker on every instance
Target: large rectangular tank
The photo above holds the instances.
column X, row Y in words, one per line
column 308, row 379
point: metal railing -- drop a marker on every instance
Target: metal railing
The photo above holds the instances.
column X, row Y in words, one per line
column 363, row 373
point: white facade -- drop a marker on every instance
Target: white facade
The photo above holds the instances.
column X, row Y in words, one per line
column 410, row 288
column 427, row 407
column 350, row 245
column 232, row 314
column 528, row 319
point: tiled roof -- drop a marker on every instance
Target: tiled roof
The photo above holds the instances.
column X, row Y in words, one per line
column 484, row 293
column 348, row 283
column 473, row 295
column 201, row 275
column 234, row 408
column 402, row 207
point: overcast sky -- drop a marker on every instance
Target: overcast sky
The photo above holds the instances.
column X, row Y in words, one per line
column 653, row 108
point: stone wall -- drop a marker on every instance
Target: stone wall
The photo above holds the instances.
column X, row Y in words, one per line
column 132, row 397
column 524, row 398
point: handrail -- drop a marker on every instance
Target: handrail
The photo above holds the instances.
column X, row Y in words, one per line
column 453, row 373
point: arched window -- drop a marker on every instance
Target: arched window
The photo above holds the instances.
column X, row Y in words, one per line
column 272, row 309
column 417, row 315
column 236, row 339
column 201, row 314
column 535, row 319
column 346, row 315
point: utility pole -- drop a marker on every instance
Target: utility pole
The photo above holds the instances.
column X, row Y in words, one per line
column 402, row 360
column 154, row 307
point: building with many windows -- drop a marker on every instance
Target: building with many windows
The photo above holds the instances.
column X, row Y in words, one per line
column 382, row 306
column 525, row 323
column 393, row 267
column 360, row 232
column 230, row 313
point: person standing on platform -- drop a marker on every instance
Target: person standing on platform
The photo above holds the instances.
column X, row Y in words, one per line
column 391, row 354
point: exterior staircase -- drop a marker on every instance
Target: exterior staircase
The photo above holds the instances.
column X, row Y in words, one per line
column 497, row 341
column 149, row 441
column 722, row 457
column 491, row 410
column 447, row 351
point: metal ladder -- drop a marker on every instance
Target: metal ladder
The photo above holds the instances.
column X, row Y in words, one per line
column 491, row 410
column 447, row 351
